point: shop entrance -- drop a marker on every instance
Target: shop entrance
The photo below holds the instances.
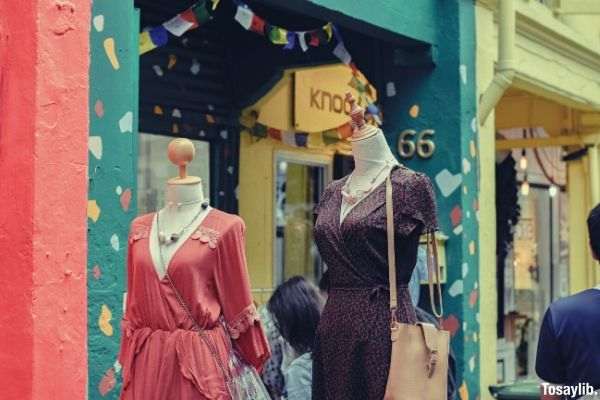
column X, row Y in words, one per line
column 542, row 198
column 299, row 183
column 266, row 122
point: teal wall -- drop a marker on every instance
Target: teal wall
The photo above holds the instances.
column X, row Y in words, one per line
column 112, row 183
column 415, row 19
column 442, row 98
column 444, row 95
column 445, row 98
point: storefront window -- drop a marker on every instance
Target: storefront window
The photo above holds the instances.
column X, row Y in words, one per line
column 154, row 169
column 535, row 274
column 298, row 188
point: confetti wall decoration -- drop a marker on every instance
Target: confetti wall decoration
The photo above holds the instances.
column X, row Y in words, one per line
column 112, row 146
column 440, row 98
column 444, row 100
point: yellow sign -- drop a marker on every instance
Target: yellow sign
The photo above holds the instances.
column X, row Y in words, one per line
column 319, row 97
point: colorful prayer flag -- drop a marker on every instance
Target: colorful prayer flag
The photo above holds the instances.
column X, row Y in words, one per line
column 331, row 136
column 278, row 35
column 244, row 16
column 159, row 35
column 322, row 35
column 146, row 43
column 201, row 13
column 341, row 53
column 153, row 38
column 257, row 25
column 301, row 139
column 329, row 31
column 345, row 130
column 314, row 39
column 260, row 130
column 274, row 133
column 289, row 138
column 291, row 41
column 302, row 41
column 181, row 23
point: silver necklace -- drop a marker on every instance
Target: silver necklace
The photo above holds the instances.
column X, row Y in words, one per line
column 360, row 193
column 185, row 203
column 173, row 237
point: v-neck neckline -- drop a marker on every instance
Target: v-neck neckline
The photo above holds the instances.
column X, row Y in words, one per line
column 340, row 223
column 176, row 252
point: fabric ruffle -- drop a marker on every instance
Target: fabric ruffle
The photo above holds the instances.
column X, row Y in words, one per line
column 243, row 321
column 192, row 356
column 132, row 342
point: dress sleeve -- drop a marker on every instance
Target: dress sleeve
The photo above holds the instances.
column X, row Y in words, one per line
column 427, row 208
column 233, row 288
column 124, row 321
column 414, row 203
column 127, row 347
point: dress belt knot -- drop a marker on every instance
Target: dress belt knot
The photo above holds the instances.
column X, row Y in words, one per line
column 378, row 291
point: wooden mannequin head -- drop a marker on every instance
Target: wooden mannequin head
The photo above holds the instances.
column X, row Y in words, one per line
column 181, row 152
column 360, row 129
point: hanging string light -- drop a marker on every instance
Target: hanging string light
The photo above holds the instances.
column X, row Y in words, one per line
column 523, row 167
column 523, row 159
column 554, row 187
column 525, row 186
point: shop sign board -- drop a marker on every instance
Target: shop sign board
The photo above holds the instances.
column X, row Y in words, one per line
column 319, row 97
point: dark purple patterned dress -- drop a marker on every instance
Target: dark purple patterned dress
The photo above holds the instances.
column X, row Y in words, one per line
column 352, row 353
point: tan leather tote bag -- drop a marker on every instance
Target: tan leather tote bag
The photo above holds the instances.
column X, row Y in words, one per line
column 419, row 364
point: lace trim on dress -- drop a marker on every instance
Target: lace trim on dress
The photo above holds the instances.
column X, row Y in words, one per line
column 243, row 321
column 207, row 236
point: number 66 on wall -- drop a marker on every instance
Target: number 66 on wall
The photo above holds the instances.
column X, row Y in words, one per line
column 410, row 142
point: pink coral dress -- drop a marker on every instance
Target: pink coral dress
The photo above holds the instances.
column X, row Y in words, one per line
column 161, row 356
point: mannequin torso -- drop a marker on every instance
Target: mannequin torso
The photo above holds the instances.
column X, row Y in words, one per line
column 373, row 161
column 185, row 206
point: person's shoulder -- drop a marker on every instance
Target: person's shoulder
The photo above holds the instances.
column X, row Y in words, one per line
column 301, row 365
column 577, row 304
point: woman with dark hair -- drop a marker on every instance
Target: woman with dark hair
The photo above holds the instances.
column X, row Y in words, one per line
column 296, row 307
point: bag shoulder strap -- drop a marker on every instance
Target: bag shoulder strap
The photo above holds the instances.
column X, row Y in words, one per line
column 391, row 247
column 432, row 259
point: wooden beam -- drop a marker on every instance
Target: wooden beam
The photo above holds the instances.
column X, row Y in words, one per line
column 589, row 120
column 557, row 141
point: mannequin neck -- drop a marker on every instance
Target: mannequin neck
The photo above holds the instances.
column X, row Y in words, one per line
column 183, row 194
column 371, row 153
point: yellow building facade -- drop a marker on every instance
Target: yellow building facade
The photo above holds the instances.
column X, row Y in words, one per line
column 538, row 70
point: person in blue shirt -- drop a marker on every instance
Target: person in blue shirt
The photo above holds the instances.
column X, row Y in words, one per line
column 296, row 306
column 569, row 344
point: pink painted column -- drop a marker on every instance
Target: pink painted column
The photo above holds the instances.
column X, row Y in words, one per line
column 44, row 48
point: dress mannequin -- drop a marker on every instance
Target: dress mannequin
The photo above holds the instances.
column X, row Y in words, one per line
column 189, row 301
column 373, row 160
column 186, row 206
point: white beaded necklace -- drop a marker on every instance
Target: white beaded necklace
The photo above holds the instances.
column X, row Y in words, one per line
column 360, row 193
column 163, row 239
